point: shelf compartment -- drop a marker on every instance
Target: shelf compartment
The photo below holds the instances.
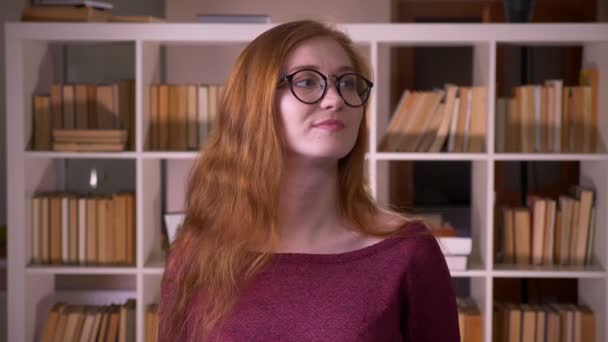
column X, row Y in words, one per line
column 536, row 129
column 435, row 65
column 82, row 71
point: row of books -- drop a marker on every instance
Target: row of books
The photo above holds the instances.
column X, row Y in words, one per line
column 456, row 249
column 451, row 120
column 108, row 323
column 181, row 115
column 550, row 118
column 90, row 230
column 549, row 231
column 470, row 321
column 546, row 322
column 84, row 107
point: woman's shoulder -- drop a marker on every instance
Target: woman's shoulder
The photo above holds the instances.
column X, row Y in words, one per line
column 400, row 224
column 416, row 239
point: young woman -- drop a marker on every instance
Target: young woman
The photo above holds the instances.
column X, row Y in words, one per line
column 282, row 241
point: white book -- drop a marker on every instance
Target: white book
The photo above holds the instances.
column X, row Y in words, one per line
column 65, row 230
column 456, row 262
column 455, row 245
column 82, row 230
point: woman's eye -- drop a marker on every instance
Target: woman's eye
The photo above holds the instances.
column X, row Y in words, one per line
column 347, row 84
column 305, row 82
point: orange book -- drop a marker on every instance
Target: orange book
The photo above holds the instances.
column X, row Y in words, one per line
column 55, row 229
column 590, row 77
column 81, row 107
column 397, row 118
column 52, row 322
column 91, row 250
column 521, row 220
column 120, row 228
column 92, row 106
column 73, row 227
column 479, row 118
column 56, row 107
column 164, row 116
column 42, row 123
column 153, row 130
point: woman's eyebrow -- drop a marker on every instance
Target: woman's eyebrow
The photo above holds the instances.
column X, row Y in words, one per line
column 316, row 67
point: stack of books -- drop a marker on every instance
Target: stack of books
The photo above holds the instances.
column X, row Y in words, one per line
column 85, row 117
column 453, row 119
column 550, row 118
column 543, row 322
column 456, row 249
column 90, row 323
column 89, row 140
column 549, row 231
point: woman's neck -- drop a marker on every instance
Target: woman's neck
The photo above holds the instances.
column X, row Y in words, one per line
column 308, row 206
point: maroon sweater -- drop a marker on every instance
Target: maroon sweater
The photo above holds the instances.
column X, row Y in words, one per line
column 398, row 289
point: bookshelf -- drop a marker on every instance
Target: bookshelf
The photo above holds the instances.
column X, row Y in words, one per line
column 31, row 288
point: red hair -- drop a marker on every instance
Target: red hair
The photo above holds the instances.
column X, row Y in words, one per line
column 233, row 190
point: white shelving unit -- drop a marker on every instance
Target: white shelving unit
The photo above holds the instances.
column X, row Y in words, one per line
column 31, row 289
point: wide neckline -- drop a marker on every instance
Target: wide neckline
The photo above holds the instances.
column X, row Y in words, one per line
column 341, row 257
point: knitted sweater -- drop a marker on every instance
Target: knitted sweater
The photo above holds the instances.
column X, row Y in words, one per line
column 398, row 289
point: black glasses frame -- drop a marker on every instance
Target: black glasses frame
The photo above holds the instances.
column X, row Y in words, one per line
column 289, row 80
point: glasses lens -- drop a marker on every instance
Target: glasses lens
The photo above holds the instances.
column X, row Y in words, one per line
column 354, row 89
column 308, row 86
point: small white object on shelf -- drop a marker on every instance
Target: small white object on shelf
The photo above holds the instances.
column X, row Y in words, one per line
column 173, row 222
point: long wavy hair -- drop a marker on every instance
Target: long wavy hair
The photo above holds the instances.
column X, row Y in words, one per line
column 233, row 191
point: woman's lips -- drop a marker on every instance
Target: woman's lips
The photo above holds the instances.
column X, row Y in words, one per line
column 330, row 125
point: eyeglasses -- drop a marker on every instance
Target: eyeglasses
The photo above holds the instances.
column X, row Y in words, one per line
column 310, row 86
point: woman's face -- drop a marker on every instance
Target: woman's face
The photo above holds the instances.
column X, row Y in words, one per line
column 327, row 129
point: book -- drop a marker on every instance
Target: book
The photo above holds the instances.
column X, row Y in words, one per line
column 455, row 245
column 88, row 3
column 234, row 18
column 456, row 262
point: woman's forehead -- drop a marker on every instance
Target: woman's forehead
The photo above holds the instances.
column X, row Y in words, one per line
column 319, row 53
